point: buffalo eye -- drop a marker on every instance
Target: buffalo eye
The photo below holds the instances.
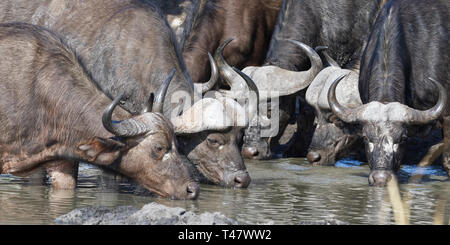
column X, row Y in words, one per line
column 214, row 141
column 158, row 151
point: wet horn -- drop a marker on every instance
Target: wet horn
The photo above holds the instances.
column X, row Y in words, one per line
column 125, row 128
column 424, row 117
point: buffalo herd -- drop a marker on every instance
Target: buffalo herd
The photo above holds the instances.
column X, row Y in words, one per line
column 172, row 93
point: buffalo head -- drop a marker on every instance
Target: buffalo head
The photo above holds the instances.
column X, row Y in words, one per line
column 209, row 133
column 384, row 128
column 271, row 82
column 144, row 148
column 332, row 138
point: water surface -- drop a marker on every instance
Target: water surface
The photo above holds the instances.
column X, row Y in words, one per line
column 283, row 191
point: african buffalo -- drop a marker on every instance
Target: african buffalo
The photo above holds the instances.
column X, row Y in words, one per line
column 341, row 25
column 128, row 47
column 332, row 139
column 405, row 61
column 255, row 146
column 211, row 23
column 51, row 113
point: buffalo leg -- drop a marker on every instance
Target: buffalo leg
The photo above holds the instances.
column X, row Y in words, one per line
column 446, row 151
column 25, row 164
column 63, row 173
column 38, row 177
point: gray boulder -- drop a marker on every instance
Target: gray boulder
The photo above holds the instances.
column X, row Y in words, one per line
column 150, row 214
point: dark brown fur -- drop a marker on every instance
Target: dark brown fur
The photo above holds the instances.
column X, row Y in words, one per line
column 251, row 23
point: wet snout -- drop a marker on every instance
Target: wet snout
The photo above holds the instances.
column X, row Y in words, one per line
column 254, row 153
column 239, row 179
column 192, row 191
column 242, row 180
column 379, row 177
column 313, row 157
column 250, row 152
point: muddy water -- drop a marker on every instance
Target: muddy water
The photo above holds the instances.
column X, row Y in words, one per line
column 286, row 191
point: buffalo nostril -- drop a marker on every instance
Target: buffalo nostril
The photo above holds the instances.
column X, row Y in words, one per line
column 313, row 157
column 255, row 153
column 379, row 178
column 249, row 152
column 192, row 191
column 242, row 181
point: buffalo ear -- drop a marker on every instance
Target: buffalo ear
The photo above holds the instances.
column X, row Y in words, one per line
column 100, row 151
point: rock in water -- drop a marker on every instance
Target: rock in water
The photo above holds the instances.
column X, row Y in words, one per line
column 150, row 214
column 97, row 216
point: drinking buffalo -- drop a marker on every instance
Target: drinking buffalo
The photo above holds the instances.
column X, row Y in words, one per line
column 403, row 66
column 128, row 47
column 341, row 25
column 211, row 23
column 255, row 146
column 332, row 138
column 51, row 113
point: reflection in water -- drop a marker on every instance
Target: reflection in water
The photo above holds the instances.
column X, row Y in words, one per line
column 286, row 191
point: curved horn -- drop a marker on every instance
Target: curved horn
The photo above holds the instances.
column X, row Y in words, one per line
column 126, row 128
column 161, row 94
column 285, row 82
column 344, row 113
column 424, row 117
column 252, row 87
column 327, row 60
column 205, row 87
column 228, row 74
column 316, row 61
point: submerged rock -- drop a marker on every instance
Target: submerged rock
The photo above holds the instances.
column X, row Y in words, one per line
column 150, row 214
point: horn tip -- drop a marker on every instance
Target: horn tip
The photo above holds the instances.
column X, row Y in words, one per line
column 119, row 98
column 210, row 57
column 320, row 48
column 294, row 41
column 230, row 39
column 173, row 72
column 224, row 44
